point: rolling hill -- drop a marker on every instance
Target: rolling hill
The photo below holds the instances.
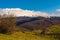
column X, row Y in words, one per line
column 33, row 23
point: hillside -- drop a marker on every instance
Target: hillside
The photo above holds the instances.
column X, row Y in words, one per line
column 32, row 23
column 30, row 28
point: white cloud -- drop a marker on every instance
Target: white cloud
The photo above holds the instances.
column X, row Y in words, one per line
column 55, row 14
column 21, row 12
column 58, row 10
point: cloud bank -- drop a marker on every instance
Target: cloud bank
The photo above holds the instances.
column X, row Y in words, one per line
column 21, row 12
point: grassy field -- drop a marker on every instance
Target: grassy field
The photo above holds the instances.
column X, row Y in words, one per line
column 23, row 36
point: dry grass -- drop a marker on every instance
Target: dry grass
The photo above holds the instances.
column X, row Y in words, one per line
column 23, row 36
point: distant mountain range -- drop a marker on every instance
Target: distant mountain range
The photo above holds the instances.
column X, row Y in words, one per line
column 33, row 23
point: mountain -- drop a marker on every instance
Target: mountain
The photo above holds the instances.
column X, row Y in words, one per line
column 34, row 23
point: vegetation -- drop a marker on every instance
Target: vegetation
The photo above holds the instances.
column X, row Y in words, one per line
column 8, row 26
column 23, row 36
column 54, row 29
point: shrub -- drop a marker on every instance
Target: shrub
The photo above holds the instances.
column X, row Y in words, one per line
column 7, row 23
column 54, row 29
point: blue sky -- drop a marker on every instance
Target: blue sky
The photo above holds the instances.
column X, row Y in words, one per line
column 38, row 5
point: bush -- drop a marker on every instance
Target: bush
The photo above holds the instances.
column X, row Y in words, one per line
column 54, row 29
column 7, row 23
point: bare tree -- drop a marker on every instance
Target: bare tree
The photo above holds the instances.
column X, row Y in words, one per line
column 7, row 23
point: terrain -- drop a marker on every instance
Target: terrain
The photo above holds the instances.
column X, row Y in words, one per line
column 33, row 23
column 30, row 28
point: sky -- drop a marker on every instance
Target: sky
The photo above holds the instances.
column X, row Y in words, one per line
column 47, row 6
